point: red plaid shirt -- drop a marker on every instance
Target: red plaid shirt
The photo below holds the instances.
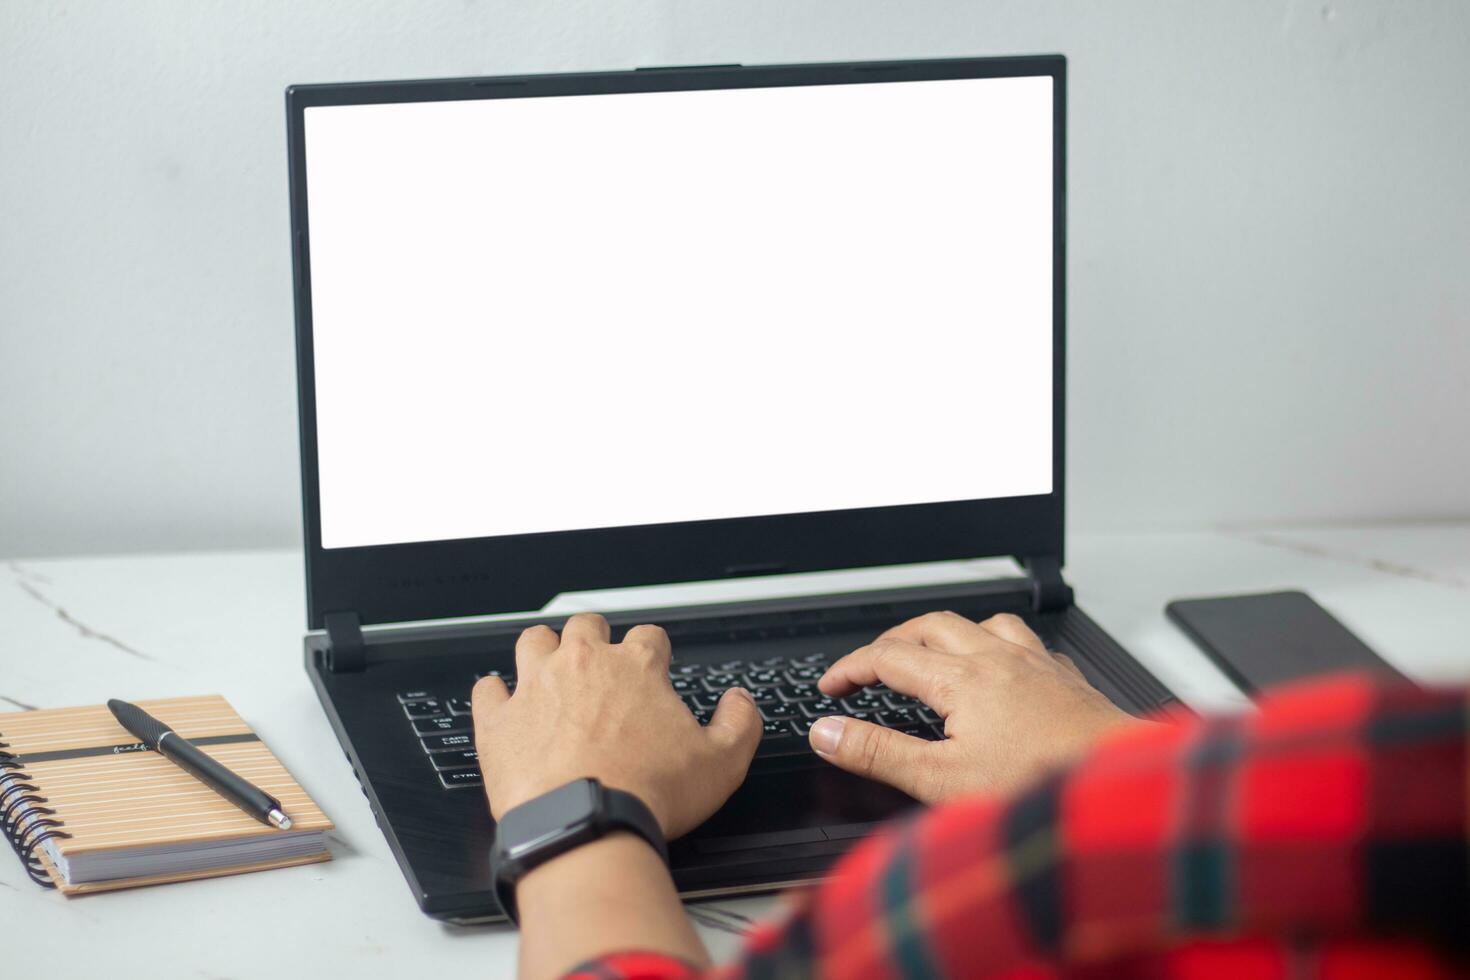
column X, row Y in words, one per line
column 1326, row 835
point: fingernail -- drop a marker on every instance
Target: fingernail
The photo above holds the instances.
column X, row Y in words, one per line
column 827, row 733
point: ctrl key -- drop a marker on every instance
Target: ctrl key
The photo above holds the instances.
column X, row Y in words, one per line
column 459, row 778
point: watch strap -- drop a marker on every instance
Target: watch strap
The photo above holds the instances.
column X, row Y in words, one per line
column 627, row 812
column 615, row 810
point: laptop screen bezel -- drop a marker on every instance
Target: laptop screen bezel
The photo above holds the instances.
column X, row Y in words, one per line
column 480, row 576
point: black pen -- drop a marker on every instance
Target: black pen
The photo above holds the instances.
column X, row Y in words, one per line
column 155, row 734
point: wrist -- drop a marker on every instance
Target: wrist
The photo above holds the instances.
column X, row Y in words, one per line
column 1109, row 725
column 619, row 851
column 612, row 893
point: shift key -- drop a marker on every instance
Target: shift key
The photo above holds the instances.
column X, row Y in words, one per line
column 468, row 759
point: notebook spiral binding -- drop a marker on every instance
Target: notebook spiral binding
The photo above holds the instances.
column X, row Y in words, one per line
column 25, row 819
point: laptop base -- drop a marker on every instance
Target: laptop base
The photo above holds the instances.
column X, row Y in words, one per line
column 791, row 819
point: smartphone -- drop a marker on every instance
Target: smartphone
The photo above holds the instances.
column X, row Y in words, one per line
column 1271, row 638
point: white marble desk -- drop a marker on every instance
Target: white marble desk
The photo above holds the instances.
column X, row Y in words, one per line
column 78, row 631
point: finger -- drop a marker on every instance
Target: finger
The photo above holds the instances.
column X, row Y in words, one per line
column 945, row 631
column 588, row 627
column 736, row 724
column 488, row 694
column 905, row 667
column 1066, row 662
column 655, row 639
column 891, row 757
column 533, row 643
column 1013, row 629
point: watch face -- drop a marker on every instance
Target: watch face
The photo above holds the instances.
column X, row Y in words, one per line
column 560, row 813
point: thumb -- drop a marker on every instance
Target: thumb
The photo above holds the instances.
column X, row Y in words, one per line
column 875, row 752
column 736, row 723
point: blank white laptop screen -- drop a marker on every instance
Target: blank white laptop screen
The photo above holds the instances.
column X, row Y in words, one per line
column 544, row 314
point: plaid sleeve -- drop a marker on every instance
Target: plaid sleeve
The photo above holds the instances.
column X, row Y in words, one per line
column 1325, row 835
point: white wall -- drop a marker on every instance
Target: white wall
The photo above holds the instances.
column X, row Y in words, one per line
column 1270, row 238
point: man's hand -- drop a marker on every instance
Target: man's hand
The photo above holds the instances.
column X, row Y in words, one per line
column 587, row 707
column 1011, row 709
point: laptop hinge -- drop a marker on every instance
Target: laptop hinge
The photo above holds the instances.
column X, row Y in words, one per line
column 1049, row 591
column 346, row 654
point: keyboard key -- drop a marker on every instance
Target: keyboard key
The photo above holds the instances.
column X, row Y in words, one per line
column 776, row 729
column 778, row 711
column 684, row 685
column 862, row 701
column 897, row 717
column 895, row 700
column 458, row 706
column 815, row 658
column 762, row 678
column 820, row 707
column 804, row 724
column 805, row 675
column 467, row 759
column 937, row 731
column 799, row 692
column 929, row 715
column 441, row 726
column 687, row 670
column 766, row 695
column 704, row 699
column 917, row 730
column 406, row 696
column 423, row 709
column 719, row 681
column 731, row 666
column 448, row 743
column 788, row 745
column 461, row 778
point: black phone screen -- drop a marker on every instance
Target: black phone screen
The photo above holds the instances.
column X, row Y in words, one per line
column 1272, row 638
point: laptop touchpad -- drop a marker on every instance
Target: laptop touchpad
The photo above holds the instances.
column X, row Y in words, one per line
column 800, row 798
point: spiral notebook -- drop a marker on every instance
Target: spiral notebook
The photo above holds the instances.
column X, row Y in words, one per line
column 88, row 809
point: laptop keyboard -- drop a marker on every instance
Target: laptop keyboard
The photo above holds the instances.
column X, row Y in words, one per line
column 785, row 691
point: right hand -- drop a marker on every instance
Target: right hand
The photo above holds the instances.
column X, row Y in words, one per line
column 1011, row 709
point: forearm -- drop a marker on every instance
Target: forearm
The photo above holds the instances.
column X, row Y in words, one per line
column 613, row 894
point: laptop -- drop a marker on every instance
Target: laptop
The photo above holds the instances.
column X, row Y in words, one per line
column 589, row 331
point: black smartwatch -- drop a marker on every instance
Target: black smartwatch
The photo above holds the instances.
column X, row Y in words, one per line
column 569, row 816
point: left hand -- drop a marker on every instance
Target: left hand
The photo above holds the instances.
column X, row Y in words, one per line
column 585, row 706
